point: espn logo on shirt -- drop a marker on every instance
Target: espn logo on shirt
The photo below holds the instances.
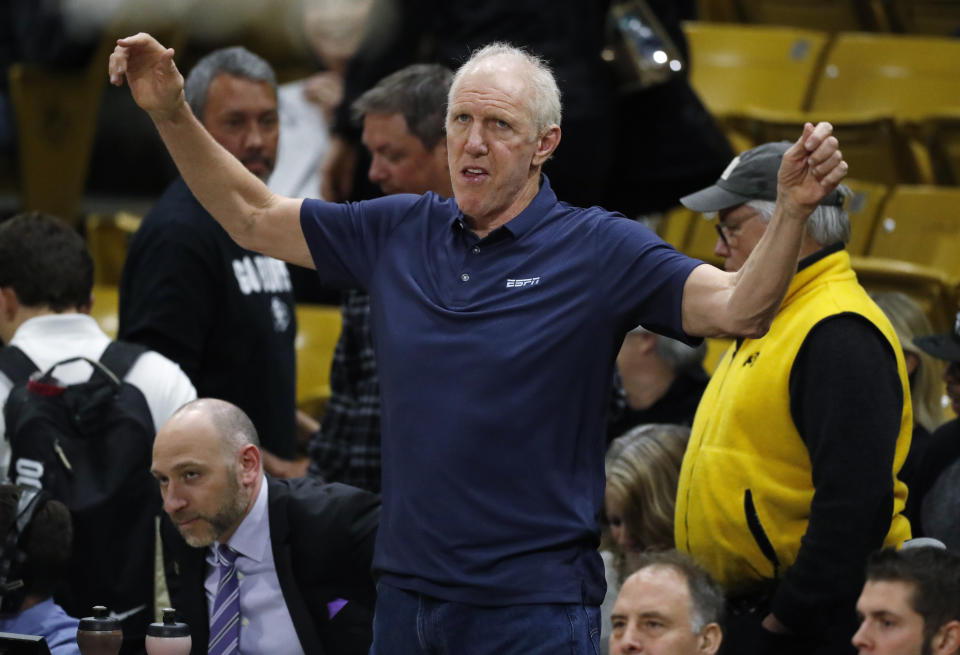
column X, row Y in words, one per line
column 525, row 282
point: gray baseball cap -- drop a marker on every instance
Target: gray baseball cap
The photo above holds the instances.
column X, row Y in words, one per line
column 942, row 346
column 751, row 175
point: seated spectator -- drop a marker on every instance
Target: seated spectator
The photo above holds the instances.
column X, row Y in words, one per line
column 910, row 604
column 662, row 379
column 267, row 563
column 669, row 606
column 46, row 282
column 44, row 542
column 642, row 469
column 940, row 468
column 909, row 321
column 642, row 473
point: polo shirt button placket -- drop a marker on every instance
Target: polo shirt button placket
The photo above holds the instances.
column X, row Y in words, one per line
column 476, row 250
column 465, row 277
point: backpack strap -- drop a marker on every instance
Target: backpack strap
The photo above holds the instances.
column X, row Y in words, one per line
column 15, row 364
column 120, row 356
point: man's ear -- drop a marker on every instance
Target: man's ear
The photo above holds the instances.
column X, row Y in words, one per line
column 710, row 638
column 947, row 639
column 248, row 460
column 9, row 303
column 546, row 144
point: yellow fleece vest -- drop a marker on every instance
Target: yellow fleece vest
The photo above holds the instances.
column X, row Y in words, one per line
column 745, row 456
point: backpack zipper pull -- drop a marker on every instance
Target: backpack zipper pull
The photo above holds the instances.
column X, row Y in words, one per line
column 62, row 455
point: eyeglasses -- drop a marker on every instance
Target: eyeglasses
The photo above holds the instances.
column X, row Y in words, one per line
column 722, row 231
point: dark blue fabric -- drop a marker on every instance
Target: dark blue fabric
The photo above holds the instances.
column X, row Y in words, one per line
column 495, row 359
column 406, row 623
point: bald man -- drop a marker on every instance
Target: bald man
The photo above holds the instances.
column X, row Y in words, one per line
column 297, row 552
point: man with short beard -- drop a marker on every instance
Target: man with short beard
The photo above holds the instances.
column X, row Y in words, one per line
column 910, row 604
column 223, row 313
column 293, row 555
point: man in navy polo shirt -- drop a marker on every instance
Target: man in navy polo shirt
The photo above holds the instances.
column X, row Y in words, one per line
column 497, row 316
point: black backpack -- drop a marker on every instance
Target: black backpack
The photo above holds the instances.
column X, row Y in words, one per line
column 89, row 445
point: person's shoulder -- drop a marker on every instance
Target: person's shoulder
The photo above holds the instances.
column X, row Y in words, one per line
column 153, row 370
column 310, row 499
column 177, row 209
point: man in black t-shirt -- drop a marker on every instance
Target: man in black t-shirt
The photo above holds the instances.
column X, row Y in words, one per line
column 223, row 313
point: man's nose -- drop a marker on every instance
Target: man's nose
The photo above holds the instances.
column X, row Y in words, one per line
column 173, row 502
column 720, row 248
column 378, row 171
column 476, row 141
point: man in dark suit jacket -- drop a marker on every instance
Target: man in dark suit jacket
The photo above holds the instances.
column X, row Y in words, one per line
column 294, row 577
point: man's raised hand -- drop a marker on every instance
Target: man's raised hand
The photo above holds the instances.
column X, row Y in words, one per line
column 155, row 82
column 811, row 168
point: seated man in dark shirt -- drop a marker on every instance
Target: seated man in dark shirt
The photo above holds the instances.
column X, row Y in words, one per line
column 940, row 466
column 293, row 550
column 662, row 380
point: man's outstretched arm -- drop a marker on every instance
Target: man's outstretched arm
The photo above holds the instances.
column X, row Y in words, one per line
column 255, row 218
column 744, row 303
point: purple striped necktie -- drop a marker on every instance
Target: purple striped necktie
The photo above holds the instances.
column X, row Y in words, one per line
column 225, row 618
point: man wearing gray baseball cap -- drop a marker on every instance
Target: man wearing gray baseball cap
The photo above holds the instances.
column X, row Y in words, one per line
column 789, row 480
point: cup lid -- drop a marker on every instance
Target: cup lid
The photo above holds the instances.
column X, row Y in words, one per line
column 101, row 621
column 169, row 627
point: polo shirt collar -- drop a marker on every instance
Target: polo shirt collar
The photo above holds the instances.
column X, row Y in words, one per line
column 526, row 220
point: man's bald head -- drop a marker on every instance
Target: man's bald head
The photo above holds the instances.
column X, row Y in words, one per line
column 206, row 460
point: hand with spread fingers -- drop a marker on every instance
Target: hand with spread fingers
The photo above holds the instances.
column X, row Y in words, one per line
column 811, row 168
column 147, row 66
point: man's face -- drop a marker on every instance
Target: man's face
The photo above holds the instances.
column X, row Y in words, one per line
column 400, row 163
column 242, row 116
column 199, row 483
column 952, row 377
column 742, row 228
column 889, row 624
column 652, row 615
column 492, row 146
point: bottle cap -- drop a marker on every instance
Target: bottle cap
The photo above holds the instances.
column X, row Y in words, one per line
column 101, row 621
column 169, row 627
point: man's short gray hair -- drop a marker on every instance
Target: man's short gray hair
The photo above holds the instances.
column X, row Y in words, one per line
column 706, row 597
column 418, row 93
column 544, row 94
column 827, row 224
column 236, row 61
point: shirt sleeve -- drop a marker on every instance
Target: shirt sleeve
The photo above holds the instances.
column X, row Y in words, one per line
column 346, row 239
column 642, row 277
column 846, row 400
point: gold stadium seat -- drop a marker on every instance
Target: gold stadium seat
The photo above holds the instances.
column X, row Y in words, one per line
column 815, row 14
column 676, row 226
column 940, row 17
column 910, row 77
column 56, row 115
column 716, row 347
column 863, row 207
column 318, row 328
column 942, row 136
column 106, row 308
column 107, row 238
column 734, row 66
column 920, row 224
column 933, row 290
column 874, row 144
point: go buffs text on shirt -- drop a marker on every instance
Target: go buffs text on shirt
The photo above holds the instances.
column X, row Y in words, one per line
column 261, row 274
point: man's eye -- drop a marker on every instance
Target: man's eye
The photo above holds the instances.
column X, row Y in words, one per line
column 502, row 124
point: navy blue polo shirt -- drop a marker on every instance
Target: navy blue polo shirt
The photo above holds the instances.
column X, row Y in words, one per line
column 495, row 358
